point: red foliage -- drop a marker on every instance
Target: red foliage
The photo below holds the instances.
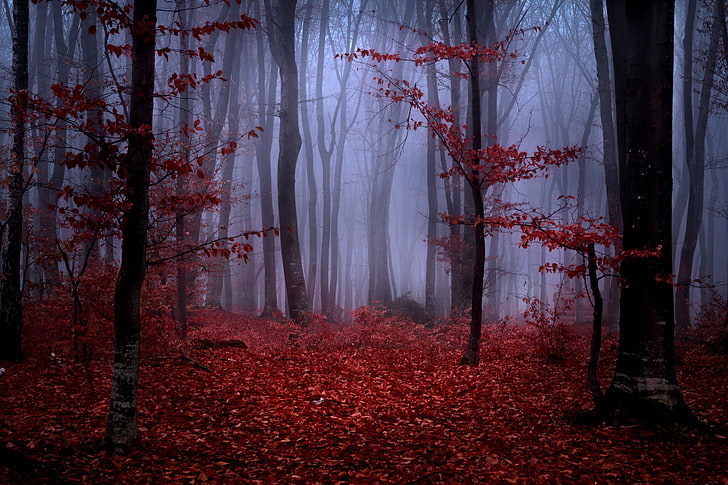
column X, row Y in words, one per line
column 332, row 406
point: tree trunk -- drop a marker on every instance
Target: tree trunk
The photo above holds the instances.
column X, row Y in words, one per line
column 121, row 428
column 645, row 386
column 308, row 143
column 11, row 296
column 263, row 161
column 281, row 33
column 472, row 351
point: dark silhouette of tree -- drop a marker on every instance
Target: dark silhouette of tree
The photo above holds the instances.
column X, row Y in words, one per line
column 645, row 386
column 121, row 428
column 281, row 36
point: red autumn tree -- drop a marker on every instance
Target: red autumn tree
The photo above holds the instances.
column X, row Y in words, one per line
column 484, row 168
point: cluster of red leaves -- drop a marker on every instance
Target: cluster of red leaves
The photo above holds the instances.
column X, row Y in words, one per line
column 327, row 407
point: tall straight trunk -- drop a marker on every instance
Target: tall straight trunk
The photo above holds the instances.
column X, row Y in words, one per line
column 308, row 143
column 696, row 170
column 472, row 351
column 281, row 37
column 266, row 101
column 325, row 153
column 609, row 143
column 645, row 385
column 121, row 427
column 432, row 100
column 11, row 296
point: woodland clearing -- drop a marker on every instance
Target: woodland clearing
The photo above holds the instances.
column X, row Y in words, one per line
column 383, row 402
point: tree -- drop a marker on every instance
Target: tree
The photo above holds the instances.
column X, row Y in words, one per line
column 481, row 167
column 121, row 429
column 281, row 37
column 11, row 296
column 645, row 385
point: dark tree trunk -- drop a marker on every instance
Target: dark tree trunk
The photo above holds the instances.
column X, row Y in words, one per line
column 11, row 297
column 645, row 386
column 121, row 428
column 472, row 351
column 281, row 35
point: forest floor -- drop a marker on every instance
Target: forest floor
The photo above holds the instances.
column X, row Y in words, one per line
column 381, row 403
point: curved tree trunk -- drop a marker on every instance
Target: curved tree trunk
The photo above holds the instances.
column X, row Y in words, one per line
column 281, row 33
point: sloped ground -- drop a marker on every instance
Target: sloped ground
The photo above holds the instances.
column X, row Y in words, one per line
column 383, row 403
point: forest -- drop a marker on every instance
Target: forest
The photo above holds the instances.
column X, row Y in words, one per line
column 363, row 241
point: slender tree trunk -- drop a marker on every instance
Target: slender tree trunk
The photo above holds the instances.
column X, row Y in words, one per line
column 121, row 428
column 11, row 296
column 325, row 153
column 645, row 384
column 266, row 101
column 281, row 32
column 308, row 143
column 472, row 351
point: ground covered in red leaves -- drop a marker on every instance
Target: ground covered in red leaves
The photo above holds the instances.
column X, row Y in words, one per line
column 378, row 403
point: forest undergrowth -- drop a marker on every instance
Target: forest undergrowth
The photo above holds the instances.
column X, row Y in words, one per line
column 245, row 400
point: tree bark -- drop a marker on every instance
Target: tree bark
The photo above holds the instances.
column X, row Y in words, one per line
column 645, row 385
column 281, row 33
column 121, row 429
column 11, row 296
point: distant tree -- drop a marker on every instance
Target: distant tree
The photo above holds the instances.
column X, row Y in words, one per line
column 645, row 385
column 11, row 229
